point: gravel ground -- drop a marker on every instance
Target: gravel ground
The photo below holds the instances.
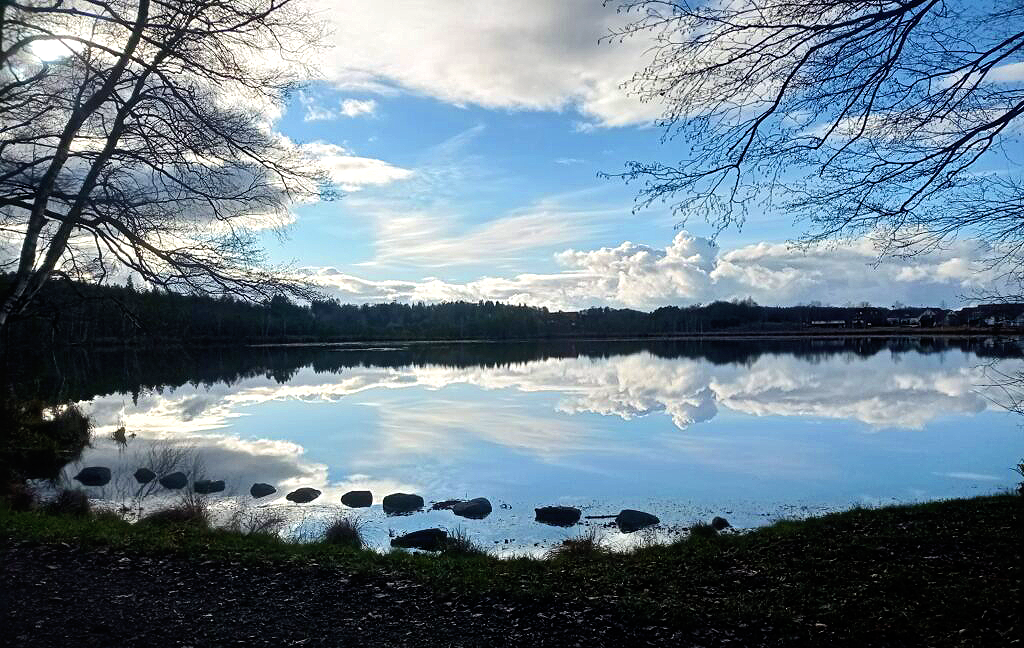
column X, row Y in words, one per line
column 60, row 595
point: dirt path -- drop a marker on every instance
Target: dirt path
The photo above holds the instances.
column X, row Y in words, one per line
column 57, row 595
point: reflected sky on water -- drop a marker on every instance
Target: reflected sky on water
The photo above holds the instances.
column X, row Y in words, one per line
column 685, row 432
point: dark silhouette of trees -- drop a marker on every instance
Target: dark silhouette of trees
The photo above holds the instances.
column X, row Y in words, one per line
column 136, row 136
column 860, row 117
column 68, row 313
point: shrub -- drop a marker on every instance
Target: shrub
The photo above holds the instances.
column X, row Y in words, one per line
column 19, row 497
column 345, row 531
column 69, row 502
column 40, row 440
column 584, row 546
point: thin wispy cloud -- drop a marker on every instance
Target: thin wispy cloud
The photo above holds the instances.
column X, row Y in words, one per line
column 426, row 239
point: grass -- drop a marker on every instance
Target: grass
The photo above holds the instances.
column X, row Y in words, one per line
column 702, row 530
column 345, row 531
column 460, row 543
column 257, row 521
column 69, row 501
column 586, row 546
column 904, row 575
column 191, row 511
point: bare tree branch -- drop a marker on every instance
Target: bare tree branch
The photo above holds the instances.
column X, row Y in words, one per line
column 146, row 143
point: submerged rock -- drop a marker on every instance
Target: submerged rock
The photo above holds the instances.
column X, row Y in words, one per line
column 402, row 503
column 719, row 523
column 259, row 489
column 357, row 499
column 558, row 515
column 476, row 509
column 425, row 539
column 144, row 475
column 445, row 505
column 207, row 486
column 302, row 495
column 174, row 481
column 629, row 520
column 94, row 476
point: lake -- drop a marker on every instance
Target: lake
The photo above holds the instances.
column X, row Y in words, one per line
column 752, row 430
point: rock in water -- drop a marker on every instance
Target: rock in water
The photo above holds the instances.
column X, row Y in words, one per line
column 174, row 481
column 357, row 499
column 426, row 539
column 558, row 515
column 302, row 495
column 94, row 476
column 629, row 520
column 260, row 489
column 476, row 509
column 144, row 475
column 402, row 503
column 719, row 523
column 207, row 486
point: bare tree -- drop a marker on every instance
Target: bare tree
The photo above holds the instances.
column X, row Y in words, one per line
column 136, row 137
column 880, row 118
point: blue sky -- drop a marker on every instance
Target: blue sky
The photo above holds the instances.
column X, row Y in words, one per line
column 469, row 139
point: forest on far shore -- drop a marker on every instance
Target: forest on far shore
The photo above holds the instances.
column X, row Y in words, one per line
column 69, row 313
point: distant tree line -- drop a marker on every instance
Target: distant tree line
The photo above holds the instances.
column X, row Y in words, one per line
column 70, row 313
column 75, row 374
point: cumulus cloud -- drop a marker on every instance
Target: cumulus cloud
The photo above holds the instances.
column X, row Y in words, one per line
column 522, row 55
column 689, row 269
column 357, row 107
column 351, row 172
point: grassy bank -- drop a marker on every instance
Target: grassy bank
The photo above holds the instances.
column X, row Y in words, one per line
column 941, row 573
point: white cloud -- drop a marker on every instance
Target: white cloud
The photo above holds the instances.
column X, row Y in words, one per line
column 522, row 55
column 349, row 171
column 690, row 269
column 357, row 107
column 425, row 238
column 316, row 112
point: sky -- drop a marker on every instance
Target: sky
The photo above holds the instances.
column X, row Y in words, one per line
column 468, row 139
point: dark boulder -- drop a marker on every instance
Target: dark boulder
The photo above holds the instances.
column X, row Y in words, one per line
column 94, row 476
column 174, row 481
column 426, row 539
column 260, row 489
column 207, row 486
column 302, row 495
column 398, row 503
column 719, row 523
column 144, row 475
column 357, row 499
column 558, row 515
column 476, row 509
column 629, row 520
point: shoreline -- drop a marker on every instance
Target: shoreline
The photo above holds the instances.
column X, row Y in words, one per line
column 719, row 336
column 937, row 573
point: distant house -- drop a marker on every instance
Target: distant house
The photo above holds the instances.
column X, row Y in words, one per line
column 828, row 323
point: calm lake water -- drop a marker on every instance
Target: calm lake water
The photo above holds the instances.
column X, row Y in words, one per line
column 751, row 430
